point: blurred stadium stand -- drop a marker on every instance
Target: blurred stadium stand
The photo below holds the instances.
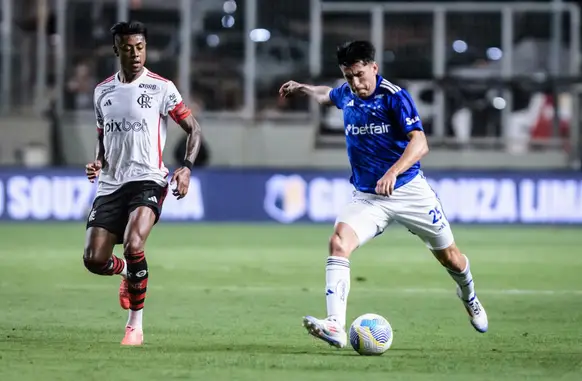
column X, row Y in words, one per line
column 483, row 106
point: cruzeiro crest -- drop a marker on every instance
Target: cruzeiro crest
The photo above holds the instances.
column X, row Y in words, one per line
column 145, row 101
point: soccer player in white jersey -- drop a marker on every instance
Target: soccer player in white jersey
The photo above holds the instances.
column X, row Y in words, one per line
column 385, row 142
column 132, row 109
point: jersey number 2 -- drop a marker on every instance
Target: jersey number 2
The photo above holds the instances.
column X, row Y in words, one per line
column 436, row 215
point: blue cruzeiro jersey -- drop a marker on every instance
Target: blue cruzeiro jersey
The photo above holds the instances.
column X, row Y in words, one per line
column 376, row 132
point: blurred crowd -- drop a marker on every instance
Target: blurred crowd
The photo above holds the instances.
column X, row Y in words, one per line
column 217, row 67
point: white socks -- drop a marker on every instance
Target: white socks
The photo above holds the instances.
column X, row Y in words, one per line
column 135, row 318
column 465, row 280
column 337, row 288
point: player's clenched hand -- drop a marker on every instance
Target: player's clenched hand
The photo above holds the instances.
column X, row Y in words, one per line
column 93, row 169
column 385, row 186
column 181, row 178
column 289, row 88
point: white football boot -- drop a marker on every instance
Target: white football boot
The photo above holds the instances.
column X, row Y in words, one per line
column 327, row 330
column 477, row 314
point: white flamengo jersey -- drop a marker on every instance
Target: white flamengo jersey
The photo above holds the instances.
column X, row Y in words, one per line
column 133, row 118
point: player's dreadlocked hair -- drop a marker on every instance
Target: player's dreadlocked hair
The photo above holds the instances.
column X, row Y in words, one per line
column 127, row 28
column 355, row 51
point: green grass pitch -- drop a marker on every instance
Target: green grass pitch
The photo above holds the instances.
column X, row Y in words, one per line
column 225, row 302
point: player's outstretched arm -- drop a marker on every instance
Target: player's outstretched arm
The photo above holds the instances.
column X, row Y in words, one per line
column 319, row 93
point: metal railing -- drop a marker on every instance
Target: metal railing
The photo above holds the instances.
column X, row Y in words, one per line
column 439, row 12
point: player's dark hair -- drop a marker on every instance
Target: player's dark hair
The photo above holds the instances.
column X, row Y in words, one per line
column 123, row 28
column 352, row 52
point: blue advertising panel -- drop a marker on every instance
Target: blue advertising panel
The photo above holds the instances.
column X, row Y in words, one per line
column 302, row 196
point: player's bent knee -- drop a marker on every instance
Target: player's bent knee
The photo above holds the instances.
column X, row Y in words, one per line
column 94, row 260
column 98, row 249
column 96, row 253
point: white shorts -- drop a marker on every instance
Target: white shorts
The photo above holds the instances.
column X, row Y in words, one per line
column 414, row 205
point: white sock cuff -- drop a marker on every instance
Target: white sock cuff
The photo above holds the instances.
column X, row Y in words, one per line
column 337, row 262
column 464, row 272
column 467, row 267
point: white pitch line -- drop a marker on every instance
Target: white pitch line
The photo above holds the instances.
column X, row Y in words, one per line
column 277, row 289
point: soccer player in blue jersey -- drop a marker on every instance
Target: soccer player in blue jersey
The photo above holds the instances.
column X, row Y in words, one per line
column 385, row 142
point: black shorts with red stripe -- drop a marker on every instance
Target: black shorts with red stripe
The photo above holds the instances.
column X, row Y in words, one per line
column 111, row 212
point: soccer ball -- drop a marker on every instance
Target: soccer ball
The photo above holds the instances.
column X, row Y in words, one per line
column 371, row 335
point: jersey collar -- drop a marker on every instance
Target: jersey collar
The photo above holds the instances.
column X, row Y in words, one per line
column 379, row 80
column 137, row 81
